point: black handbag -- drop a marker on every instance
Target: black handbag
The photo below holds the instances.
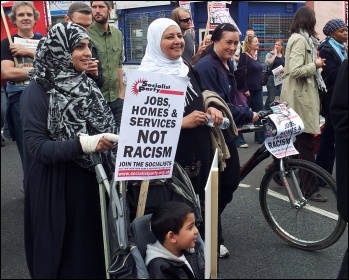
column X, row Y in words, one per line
column 240, row 77
column 265, row 76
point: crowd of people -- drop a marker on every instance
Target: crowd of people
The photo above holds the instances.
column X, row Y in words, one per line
column 69, row 104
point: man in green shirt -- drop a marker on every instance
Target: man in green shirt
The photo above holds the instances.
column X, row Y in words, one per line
column 108, row 41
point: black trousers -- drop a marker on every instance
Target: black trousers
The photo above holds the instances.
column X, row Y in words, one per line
column 229, row 181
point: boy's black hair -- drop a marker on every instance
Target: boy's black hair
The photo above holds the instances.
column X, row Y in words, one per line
column 169, row 216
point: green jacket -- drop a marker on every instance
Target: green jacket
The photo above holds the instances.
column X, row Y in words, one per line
column 110, row 51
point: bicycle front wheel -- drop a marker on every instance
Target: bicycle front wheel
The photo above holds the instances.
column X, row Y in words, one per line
column 306, row 225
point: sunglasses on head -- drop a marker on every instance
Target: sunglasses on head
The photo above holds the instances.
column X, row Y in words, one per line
column 185, row 19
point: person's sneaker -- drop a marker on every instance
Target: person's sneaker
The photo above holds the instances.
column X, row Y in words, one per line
column 223, row 251
column 243, row 146
column 318, row 197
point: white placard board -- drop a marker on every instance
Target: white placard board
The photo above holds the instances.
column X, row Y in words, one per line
column 120, row 5
column 150, row 125
column 211, row 222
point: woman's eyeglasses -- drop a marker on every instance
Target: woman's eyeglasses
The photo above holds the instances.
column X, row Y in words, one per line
column 185, row 19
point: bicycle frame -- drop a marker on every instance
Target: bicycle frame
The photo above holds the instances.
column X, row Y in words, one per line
column 261, row 154
column 293, row 218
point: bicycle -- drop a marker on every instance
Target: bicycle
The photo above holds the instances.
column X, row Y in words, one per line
column 285, row 207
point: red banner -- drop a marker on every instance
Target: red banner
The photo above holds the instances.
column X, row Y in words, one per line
column 39, row 27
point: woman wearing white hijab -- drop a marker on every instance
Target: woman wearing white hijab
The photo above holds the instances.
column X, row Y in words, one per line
column 163, row 55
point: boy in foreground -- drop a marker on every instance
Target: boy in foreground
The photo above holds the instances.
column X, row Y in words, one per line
column 173, row 256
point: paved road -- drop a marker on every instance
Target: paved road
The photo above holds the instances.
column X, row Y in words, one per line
column 256, row 252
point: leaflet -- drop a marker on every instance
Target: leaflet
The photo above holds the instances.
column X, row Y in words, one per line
column 25, row 61
column 277, row 72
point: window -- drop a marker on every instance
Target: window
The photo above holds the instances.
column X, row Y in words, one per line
column 268, row 28
column 136, row 26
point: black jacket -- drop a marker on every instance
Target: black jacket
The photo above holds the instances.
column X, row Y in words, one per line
column 329, row 74
column 215, row 77
column 339, row 116
column 162, row 264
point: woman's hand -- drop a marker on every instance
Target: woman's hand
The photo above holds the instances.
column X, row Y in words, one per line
column 255, row 117
column 104, row 144
column 97, row 143
column 247, row 93
column 216, row 116
column 320, row 62
column 194, row 119
column 92, row 68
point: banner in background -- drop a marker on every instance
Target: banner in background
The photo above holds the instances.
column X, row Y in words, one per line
column 186, row 5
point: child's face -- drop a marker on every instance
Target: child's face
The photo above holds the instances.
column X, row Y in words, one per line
column 186, row 237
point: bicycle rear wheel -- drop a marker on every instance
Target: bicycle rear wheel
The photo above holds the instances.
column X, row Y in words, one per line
column 309, row 225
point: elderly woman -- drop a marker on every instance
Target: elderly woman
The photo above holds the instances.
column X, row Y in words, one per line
column 60, row 108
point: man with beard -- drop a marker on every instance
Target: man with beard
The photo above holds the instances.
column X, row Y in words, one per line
column 108, row 41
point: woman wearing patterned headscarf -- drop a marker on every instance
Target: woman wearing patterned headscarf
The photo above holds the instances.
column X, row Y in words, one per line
column 333, row 50
column 65, row 118
column 302, row 81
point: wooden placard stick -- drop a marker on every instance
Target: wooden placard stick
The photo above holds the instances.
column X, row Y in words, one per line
column 209, row 15
column 142, row 200
column 8, row 32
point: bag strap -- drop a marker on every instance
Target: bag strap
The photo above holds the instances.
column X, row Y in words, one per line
column 142, row 199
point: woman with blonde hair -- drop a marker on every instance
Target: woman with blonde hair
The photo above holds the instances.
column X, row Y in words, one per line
column 253, row 90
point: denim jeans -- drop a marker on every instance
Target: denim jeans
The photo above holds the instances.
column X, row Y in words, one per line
column 116, row 108
column 3, row 106
column 14, row 122
column 272, row 90
column 239, row 139
column 255, row 102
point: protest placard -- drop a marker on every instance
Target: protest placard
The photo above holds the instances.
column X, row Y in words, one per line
column 287, row 124
column 151, row 123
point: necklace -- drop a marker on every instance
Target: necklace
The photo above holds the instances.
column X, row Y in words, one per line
column 252, row 56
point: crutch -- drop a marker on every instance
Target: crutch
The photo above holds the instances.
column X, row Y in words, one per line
column 104, row 186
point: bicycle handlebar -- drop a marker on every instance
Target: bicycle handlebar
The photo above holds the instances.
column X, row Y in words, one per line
column 264, row 113
column 266, row 124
